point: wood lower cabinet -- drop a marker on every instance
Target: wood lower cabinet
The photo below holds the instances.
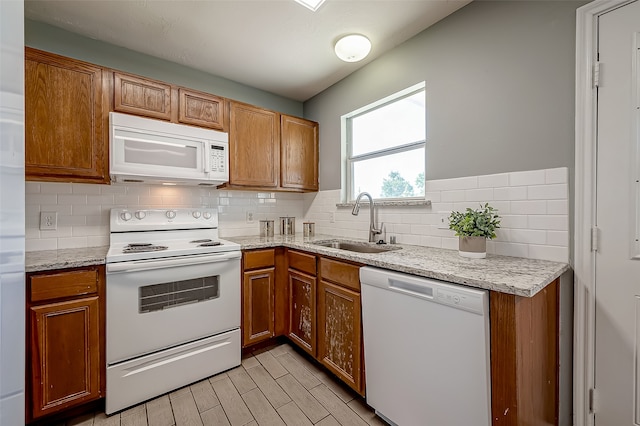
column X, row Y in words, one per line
column 340, row 345
column 299, row 154
column 302, row 310
column 66, row 119
column 65, row 340
column 258, row 296
column 340, row 333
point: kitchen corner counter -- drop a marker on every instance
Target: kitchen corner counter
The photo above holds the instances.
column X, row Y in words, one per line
column 36, row 261
column 504, row 274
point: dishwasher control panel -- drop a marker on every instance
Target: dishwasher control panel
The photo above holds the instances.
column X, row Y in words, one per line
column 466, row 300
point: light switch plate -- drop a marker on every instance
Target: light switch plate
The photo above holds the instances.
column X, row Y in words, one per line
column 48, row 221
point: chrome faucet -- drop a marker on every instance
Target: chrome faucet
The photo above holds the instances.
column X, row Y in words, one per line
column 373, row 231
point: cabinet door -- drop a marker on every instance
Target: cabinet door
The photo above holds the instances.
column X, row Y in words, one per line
column 65, row 355
column 200, row 109
column 141, row 96
column 65, row 120
column 254, row 146
column 299, row 154
column 257, row 306
column 339, row 333
column 302, row 311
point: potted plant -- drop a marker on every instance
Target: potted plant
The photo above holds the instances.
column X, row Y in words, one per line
column 473, row 228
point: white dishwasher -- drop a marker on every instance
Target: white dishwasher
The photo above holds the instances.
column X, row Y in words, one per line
column 426, row 350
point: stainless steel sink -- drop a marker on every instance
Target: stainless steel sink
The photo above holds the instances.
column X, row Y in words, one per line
column 356, row 246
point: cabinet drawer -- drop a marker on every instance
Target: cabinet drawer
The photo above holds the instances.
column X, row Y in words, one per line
column 63, row 284
column 345, row 274
column 302, row 262
column 259, row 259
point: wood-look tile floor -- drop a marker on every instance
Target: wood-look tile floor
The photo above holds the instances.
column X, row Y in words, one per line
column 274, row 386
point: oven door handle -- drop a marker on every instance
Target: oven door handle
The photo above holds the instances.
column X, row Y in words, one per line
column 145, row 265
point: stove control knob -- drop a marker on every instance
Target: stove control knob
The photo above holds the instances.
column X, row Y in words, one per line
column 196, row 214
column 125, row 216
column 207, row 215
column 171, row 214
column 140, row 214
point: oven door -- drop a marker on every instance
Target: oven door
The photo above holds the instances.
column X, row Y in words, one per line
column 157, row 304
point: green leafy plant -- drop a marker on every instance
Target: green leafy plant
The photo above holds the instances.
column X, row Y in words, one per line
column 475, row 223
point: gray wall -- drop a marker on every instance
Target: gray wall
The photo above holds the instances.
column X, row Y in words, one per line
column 499, row 87
column 52, row 39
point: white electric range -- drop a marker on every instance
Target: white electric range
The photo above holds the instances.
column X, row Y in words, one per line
column 173, row 302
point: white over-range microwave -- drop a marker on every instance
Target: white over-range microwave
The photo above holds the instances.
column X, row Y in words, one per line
column 153, row 151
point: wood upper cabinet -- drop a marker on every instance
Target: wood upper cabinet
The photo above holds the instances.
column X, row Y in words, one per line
column 141, row 96
column 339, row 322
column 66, row 117
column 258, row 288
column 200, row 109
column 65, row 340
column 254, row 146
column 299, row 154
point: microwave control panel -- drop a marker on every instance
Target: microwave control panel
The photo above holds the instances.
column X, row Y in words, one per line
column 218, row 160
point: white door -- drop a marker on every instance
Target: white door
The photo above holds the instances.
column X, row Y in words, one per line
column 617, row 285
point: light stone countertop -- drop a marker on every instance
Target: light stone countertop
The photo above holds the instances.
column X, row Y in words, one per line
column 47, row 260
column 505, row 274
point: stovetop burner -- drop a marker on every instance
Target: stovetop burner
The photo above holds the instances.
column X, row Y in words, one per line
column 142, row 247
column 206, row 240
column 210, row 244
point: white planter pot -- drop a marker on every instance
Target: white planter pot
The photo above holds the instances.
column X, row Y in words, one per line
column 473, row 247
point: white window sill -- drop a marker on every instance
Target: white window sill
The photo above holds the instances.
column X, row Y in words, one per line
column 389, row 203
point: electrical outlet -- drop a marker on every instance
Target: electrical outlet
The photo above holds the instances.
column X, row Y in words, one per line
column 443, row 220
column 48, row 221
column 249, row 217
column 332, row 217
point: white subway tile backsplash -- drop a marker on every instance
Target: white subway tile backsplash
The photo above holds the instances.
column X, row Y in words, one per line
column 548, row 192
column 483, row 194
column 533, row 205
column 549, row 222
column 493, row 181
column 559, row 175
column 557, row 238
column 513, row 221
column 469, row 182
column 552, row 253
column 510, row 193
column 529, row 207
column 533, row 177
column 452, row 196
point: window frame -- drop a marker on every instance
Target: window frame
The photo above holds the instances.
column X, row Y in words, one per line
column 350, row 159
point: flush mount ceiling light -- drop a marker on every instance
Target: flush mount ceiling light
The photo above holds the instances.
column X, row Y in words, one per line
column 353, row 48
column 311, row 4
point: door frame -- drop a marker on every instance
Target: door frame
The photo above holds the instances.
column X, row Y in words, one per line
column 585, row 206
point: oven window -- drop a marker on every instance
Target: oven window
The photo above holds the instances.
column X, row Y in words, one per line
column 169, row 295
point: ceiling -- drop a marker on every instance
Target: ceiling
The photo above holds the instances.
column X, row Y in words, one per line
column 275, row 45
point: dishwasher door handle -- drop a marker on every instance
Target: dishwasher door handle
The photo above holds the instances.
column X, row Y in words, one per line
column 411, row 288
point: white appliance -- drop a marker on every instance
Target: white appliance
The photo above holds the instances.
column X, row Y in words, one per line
column 426, row 350
column 153, row 151
column 173, row 303
column 12, row 214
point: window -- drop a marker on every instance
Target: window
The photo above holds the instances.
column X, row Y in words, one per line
column 385, row 144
